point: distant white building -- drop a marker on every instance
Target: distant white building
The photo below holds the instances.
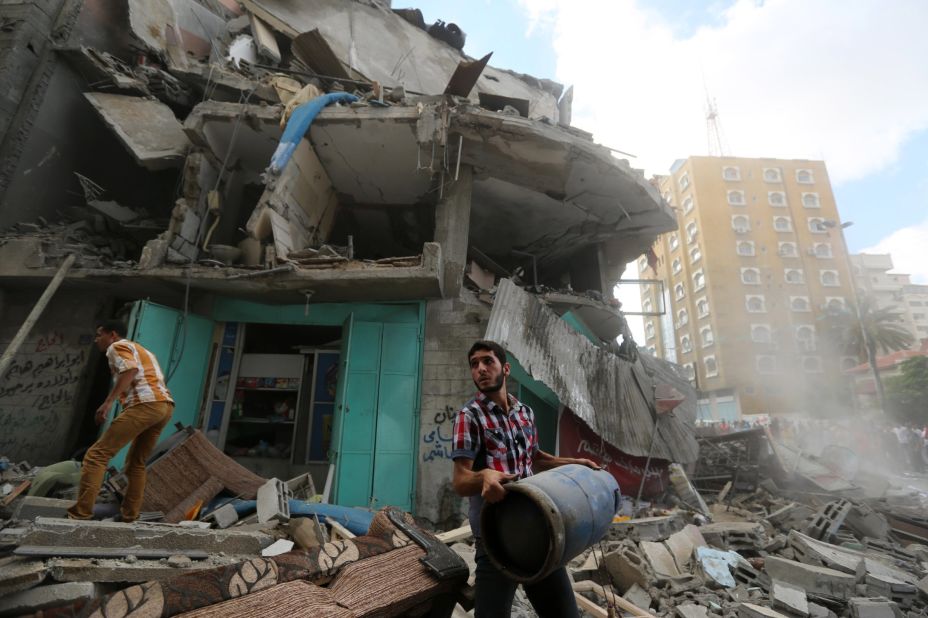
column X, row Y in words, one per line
column 872, row 276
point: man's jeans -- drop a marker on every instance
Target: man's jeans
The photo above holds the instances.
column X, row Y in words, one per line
column 141, row 425
column 551, row 597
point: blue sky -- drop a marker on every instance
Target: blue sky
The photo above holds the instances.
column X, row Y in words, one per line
column 876, row 148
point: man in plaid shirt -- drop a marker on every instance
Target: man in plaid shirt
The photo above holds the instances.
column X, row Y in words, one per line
column 495, row 441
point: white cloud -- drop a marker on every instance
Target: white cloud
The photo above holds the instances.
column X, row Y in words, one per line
column 908, row 249
column 840, row 81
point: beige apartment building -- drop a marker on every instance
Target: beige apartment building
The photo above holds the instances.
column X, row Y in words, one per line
column 758, row 256
column 893, row 290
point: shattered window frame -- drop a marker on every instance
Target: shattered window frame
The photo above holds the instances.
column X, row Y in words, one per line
column 817, row 225
column 741, row 229
column 714, row 370
column 811, row 200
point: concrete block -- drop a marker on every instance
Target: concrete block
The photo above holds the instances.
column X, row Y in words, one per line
column 18, row 573
column 789, row 598
column 735, row 535
column 31, row 507
column 867, row 522
column 223, row 517
column 820, row 581
column 660, row 559
column 830, row 517
column 42, row 597
column 273, row 501
column 682, row 544
column 873, row 607
column 750, row 610
column 626, row 567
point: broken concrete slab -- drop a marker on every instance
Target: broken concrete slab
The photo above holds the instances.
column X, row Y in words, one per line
column 682, row 544
column 812, row 551
column 32, row 507
column 43, row 551
column 877, row 607
column 750, row 610
column 638, row 596
column 646, row 528
column 817, row 580
column 18, row 573
column 71, row 533
column 660, row 559
column 42, row 597
column 691, row 610
column 106, row 570
column 717, row 564
column 789, row 598
column 147, row 128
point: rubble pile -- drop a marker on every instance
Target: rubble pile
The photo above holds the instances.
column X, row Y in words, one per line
column 224, row 540
column 784, row 547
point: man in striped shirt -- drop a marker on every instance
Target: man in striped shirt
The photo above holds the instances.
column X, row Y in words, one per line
column 147, row 407
column 495, row 441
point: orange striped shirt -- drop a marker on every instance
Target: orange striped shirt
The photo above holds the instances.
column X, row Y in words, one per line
column 148, row 384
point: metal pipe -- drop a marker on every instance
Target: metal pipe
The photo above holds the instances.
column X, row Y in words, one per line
column 261, row 273
column 7, row 359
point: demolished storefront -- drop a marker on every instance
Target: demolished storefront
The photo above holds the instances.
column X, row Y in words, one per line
column 312, row 299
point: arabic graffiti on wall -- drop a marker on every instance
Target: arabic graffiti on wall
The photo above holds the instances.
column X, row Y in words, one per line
column 37, row 395
column 436, row 442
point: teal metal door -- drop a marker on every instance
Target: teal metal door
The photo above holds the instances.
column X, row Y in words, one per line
column 181, row 346
column 375, row 414
column 397, row 401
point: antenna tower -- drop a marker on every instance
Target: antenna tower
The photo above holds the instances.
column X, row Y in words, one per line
column 715, row 136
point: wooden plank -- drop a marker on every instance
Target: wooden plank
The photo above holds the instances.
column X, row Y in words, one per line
column 16, row 491
column 612, row 598
column 453, row 536
column 590, row 607
column 340, row 530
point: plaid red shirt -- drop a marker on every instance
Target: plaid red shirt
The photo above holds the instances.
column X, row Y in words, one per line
column 493, row 439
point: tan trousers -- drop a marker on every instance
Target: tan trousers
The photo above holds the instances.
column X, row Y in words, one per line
column 140, row 424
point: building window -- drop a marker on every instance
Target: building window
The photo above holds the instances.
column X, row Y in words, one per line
column 689, row 371
column 682, row 318
column 755, row 303
column 817, row 225
column 652, row 350
column 676, row 266
column 705, row 335
column 699, row 280
column 736, row 198
column 678, row 291
column 741, row 224
column 687, row 205
column 822, row 250
column 684, row 182
column 691, row 231
column 760, row 333
column 810, row 200
column 745, row 247
column 829, row 278
column 805, row 337
column 642, row 264
column 712, row 367
column 834, row 303
column 674, row 241
column 772, row 174
column 731, row 173
column 686, row 344
column 695, row 254
column 793, row 275
column 646, row 306
column 702, row 307
column 668, row 197
column 766, row 364
column 811, row 364
column 805, row 177
column 776, row 198
column 787, row 249
column 649, row 330
column 782, row 224
column 750, row 276
column 799, row 303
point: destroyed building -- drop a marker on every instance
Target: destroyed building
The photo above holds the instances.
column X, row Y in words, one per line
column 308, row 212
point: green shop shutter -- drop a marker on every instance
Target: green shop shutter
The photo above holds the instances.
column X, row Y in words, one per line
column 181, row 346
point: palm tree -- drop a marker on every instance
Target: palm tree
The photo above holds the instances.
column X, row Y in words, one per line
column 866, row 329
